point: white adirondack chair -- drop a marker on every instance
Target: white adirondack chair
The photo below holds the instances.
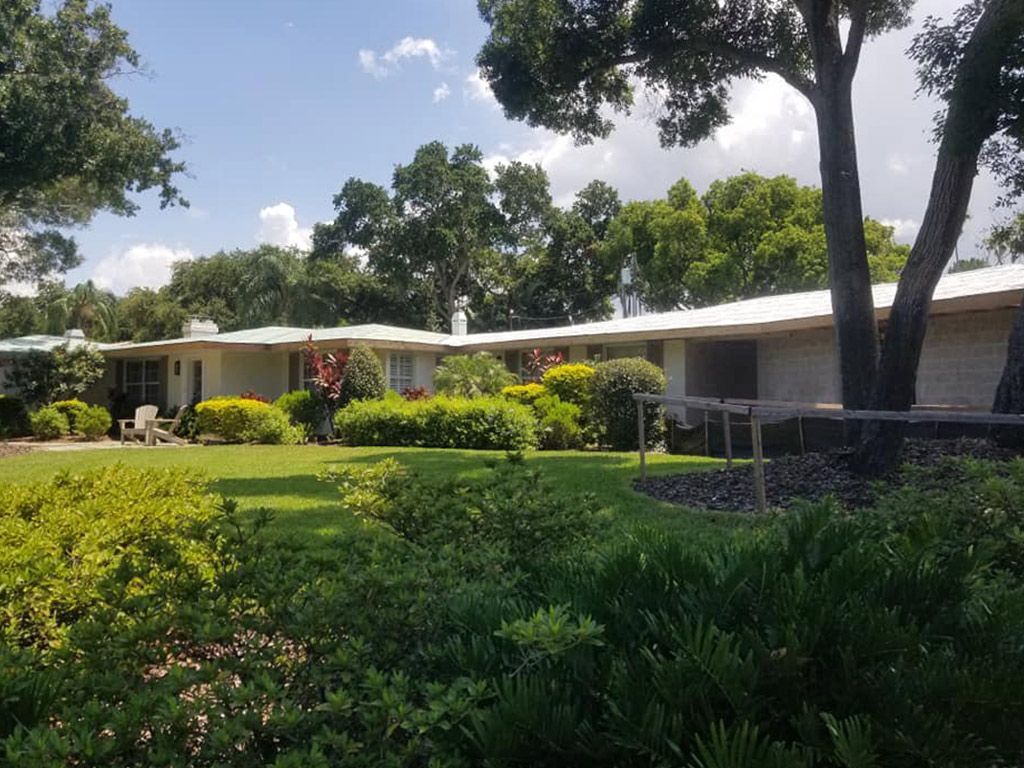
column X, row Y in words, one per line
column 162, row 430
column 139, row 425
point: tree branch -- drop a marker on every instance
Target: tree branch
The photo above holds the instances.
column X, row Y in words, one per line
column 855, row 37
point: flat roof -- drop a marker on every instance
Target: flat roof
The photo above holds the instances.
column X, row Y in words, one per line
column 988, row 288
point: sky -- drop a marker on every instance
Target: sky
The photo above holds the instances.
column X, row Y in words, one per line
column 280, row 102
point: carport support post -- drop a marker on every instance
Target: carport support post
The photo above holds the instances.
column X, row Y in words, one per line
column 727, row 433
column 760, row 496
column 643, row 440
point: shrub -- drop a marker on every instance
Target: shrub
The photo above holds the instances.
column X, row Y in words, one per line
column 364, row 376
column 304, row 410
column 559, row 423
column 72, row 409
column 415, row 393
column 236, row 420
column 63, row 372
column 614, row 384
column 94, row 422
column 13, row 417
column 48, row 423
column 572, row 382
column 440, row 422
column 524, row 393
column 476, row 375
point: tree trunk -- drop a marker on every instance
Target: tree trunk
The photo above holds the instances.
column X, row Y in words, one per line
column 1010, row 392
column 972, row 117
column 853, row 312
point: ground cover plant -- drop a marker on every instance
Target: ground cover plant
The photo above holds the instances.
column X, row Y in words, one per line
column 494, row 620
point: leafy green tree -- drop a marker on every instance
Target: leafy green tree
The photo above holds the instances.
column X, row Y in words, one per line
column 968, row 265
column 148, row 315
column 973, row 64
column 69, row 146
column 364, row 376
column 1005, row 241
column 209, row 287
column 559, row 64
column 60, row 374
column 87, row 307
column 19, row 316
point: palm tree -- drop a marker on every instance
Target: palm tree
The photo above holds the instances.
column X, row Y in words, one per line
column 85, row 306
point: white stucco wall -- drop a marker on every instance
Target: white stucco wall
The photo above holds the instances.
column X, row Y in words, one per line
column 578, row 354
column 675, row 371
column 963, row 357
column 263, row 372
column 798, row 367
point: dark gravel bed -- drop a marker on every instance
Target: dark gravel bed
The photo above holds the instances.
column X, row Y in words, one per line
column 12, row 449
column 810, row 477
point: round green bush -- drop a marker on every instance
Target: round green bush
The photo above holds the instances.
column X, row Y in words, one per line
column 72, row 409
column 475, row 375
column 364, row 376
column 526, row 394
column 49, row 423
column 559, row 423
column 572, row 382
column 94, row 422
column 240, row 420
column 13, row 417
column 614, row 384
column 304, row 410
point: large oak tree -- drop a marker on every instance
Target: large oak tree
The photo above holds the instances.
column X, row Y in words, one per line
column 560, row 64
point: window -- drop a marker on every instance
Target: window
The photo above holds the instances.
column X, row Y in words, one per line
column 400, row 371
column 625, row 350
column 142, row 381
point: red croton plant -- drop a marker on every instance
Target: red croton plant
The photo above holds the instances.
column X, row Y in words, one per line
column 326, row 370
column 539, row 362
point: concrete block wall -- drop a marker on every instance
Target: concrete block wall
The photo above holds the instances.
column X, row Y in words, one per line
column 963, row 357
column 799, row 366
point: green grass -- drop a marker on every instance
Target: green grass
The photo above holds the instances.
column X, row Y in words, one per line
column 284, row 479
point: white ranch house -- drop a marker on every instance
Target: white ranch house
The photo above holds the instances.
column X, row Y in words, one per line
column 776, row 348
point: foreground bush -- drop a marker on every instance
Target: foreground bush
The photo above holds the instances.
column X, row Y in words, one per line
column 440, row 422
column 479, row 621
column 558, row 423
column 476, row 375
column 93, row 423
column 614, row 384
column 13, row 417
column 304, row 411
column 241, row 420
column 48, row 423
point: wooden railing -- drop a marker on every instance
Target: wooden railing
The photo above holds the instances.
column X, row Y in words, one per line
column 756, row 412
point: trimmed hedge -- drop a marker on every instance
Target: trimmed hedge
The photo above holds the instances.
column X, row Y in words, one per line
column 49, row 423
column 13, row 417
column 558, row 422
column 615, row 382
column 572, row 382
column 239, row 420
column 526, row 394
column 72, row 409
column 304, row 410
column 440, row 422
column 93, row 423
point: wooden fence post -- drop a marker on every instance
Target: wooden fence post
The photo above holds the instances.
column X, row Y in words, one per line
column 760, row 495
column 643, row 440
column 727, row 433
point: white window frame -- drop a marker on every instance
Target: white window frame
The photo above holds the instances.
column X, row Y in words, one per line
column 401, row 371
column 145, row 386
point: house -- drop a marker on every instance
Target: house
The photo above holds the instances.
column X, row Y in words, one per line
column 773, row 348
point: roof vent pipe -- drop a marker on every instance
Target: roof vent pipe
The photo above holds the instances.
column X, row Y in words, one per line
column 460, row 325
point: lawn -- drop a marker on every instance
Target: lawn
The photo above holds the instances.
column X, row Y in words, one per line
column 284, row 479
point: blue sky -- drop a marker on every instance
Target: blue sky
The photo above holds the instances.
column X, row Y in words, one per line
column 280, row 102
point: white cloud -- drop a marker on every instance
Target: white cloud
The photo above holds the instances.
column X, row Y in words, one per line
column 18, row 288
column 145, row 265
column 898, row 165
column 478, row 89
column 902, row 229
column 382, row 65
column 280, row 226
column 758, row 111
column 442, row 92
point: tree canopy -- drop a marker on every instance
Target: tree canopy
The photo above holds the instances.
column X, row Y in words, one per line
column 69, row 146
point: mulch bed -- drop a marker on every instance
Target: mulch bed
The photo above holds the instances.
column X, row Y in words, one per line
column 12, row 449
column 809, row 477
